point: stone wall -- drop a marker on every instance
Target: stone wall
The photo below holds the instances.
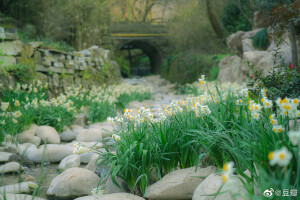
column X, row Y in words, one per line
column 60, row 70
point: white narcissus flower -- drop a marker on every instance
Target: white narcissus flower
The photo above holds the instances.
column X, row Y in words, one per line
column 267, row 103
column 294, row 137
column 116, row 137
column 281, row 157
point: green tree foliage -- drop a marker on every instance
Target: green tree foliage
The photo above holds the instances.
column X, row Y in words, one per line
column 190, row 28
column 233, row 18
column 81, row 23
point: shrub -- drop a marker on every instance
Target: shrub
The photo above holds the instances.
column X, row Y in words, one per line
column 260, row 40
column 281, row 82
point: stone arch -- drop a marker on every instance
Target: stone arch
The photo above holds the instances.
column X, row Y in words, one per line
column 151, row 50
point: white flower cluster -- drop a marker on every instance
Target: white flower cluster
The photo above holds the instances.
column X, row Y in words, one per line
column 173, row 108
column 79, row 149
column 288, row 107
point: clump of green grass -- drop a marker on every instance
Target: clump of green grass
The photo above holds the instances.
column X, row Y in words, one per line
column 260, row 40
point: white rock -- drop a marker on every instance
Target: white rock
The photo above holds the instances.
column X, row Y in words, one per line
column 179, row 184
column 261, row 60
column 69, row 161
column 212, row 184
column 92, row 165
column 4, row 156
column 116, row 196
column 24, row 149
column 48, row 134
column 20, row 188
column 86, row 157
column 73, row 182
column 231, row 70
column 68, row 136
column 50, row 153
column 11, row 167
column 89, row 135
column 234, row 42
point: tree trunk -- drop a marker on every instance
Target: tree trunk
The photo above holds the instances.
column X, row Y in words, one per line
column 294, row 45
column 216, row 24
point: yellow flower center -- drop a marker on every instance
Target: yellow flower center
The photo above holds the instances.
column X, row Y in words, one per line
column 281, row 101
column 270, row 117
column 272, row 122
column 224, row 178
column 271, row 155
column 274, row 129
column 256, row 107
column 267, row 103
column 284, row 100
column 287, row 107
column 281, row 156
column 225, row 167
column 279, row 130
column 262, row 100
column 295, row 101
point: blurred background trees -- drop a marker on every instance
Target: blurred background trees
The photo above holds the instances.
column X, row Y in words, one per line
column 196, row 28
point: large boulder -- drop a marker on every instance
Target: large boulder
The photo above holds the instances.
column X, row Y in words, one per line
column 50, row 153
column 89, row 135
column 234, row 42
column 11, row 167
column 73, row 182
column 119, row 196
column 69, row 162
column 20, row 188
column 179, row 184
column 263, row 61
column 211, row 185
column 47, row 134
column 231, row 70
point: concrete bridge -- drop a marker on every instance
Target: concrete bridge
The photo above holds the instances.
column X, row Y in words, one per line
column 152, row 39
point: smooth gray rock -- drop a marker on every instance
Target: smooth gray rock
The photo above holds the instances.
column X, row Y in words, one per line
column 179, row 184
column 69, row 162
column 11, row 167
column 20, row 188
column 47, row 134
column 4, row 156
column 73, row 182
column 50, row 153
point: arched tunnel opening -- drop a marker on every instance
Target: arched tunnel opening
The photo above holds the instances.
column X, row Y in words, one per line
column 143, row 57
